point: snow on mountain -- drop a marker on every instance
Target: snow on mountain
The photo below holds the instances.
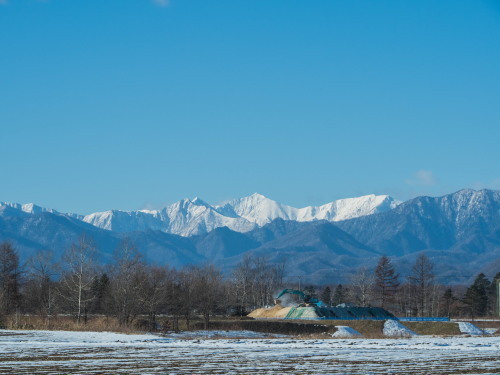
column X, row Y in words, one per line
column 193, row 217
column 29, row 208
column 459, row 232
column 185, row 217
column 123, row 221
column 349, row 208
column 464, row 219
column 261, row 210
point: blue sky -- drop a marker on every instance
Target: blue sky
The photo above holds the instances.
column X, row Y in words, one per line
column 136, row 103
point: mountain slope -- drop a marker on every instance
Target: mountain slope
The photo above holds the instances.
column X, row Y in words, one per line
column 466, row 219
column 460, row 232
column 31, row 232
column 185, row 218
column 317, row 251
column 222, row 243
column 47, row 231
column 261, row 210
column 194, row 217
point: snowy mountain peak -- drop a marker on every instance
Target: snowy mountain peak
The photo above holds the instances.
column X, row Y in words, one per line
column 257, row 196
column 29, row 208
column 261, row 210
column 194, row 216
column 199, row 202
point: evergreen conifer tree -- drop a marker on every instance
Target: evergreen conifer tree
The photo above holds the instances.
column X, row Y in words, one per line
column 476, row 296
column 340, row 295
column 386, row 280
column 326, row 295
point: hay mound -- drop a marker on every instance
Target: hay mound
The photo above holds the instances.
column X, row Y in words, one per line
column 283, row 312
column 273, row 312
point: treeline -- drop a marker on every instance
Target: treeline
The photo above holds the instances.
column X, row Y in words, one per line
column 416, row 295
column 129, row 290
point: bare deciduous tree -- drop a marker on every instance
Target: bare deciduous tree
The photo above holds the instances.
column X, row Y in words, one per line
column 78, row 273
column 155, row 292
column 9, row 279
column 362, row 286
column 184, row 295
column 127, row 282
column 255, row 282
column 208, row 286
column 39, row 290
column 421, row 281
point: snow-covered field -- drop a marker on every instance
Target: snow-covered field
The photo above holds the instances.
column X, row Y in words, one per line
column 55, row 352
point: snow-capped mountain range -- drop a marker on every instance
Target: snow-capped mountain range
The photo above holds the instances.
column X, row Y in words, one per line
column 460, row 232
column 193, row 217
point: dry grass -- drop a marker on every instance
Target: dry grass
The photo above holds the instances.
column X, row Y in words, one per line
column 433, row 328
column 67, row 323
column 303, row 328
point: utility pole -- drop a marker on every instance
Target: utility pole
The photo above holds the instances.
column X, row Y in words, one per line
column 300, row 279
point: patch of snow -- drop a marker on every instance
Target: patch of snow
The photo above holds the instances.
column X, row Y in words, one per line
column 470, row 329
column 393, row 328
column 43, row 352
column 490, row 331
column 345, row 331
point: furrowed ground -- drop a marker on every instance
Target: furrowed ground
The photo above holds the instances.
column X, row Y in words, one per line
column 49, row 352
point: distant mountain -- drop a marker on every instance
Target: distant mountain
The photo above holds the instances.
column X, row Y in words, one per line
column 261, row 210
column 460, row 229
column 194, row 217
column 467, row 219
column 185, row 218
column 55, row 232
column 460, row 232
column 315, row 251
column 34, row 230
column 28, row 208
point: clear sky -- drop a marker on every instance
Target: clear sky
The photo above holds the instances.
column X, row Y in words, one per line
column 131, row 104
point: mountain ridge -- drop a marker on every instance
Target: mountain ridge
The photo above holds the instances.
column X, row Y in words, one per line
column 460, row 232
column 193, row 217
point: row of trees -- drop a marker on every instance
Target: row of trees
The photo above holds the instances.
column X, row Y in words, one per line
column 418, row 294
column 128, row 288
